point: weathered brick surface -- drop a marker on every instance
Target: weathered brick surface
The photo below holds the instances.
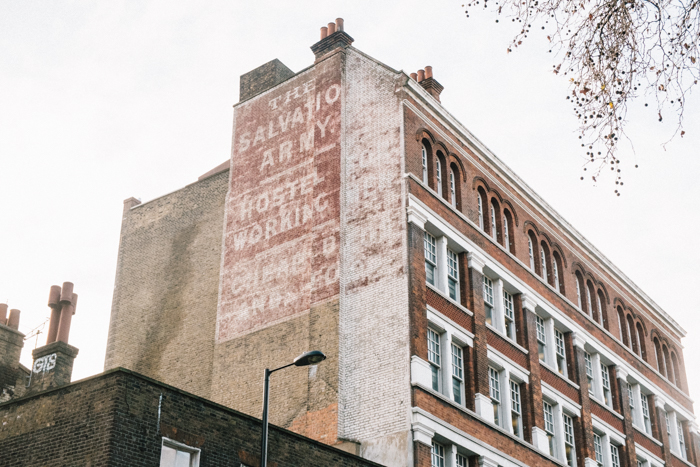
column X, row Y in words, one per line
column 605, row 414
column 560, row 384
column 506, row 347
column 165, row 295
column 11, row 372
column 646, row 442
column 119, row 419
column 448, row 308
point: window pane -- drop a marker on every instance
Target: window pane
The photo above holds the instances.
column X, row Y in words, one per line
column 167, row 457
column 437, row 455
column 183, row 459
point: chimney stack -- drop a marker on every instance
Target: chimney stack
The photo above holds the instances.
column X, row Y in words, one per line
column 333, row 37
column 425, row 79
column 11, row 343
column 53, row 363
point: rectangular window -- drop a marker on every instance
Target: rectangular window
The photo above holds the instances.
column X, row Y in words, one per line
column 614, row 456
column 589, row 373
column 633, row 411
column 569, row 441
column 532, row 255
column 452, row 275
column 541, row 338
column 645, row 413
column 430, row 257
column 437, row 455
column 555, row 273
column 457, row 373
column 174, row 454
column 606, row 385
column 516, row 409
column 543, row 264
column 434, row 357
column 640, row 463
column 494, row 232
column 668, row 425
column 509, row 315
column 481, row 212
column 561, row 352
column 549, row 427
column 598, row 446
column 495, row 393
column 681, row 441
column 488, row 299
column 506, row 234
column 462, row 461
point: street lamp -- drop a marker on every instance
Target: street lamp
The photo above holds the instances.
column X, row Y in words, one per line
column 305, row 359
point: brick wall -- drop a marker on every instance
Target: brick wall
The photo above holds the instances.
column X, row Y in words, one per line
column 166, row 288
column 119, row 419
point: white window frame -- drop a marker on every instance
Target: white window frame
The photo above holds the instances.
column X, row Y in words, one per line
column 435, row 357
column 457, row 365
column 453, row 274
column 496, row 395
column 589, row 302
column 507, row 372
column 555, row 271
column 614, row 456
column 549, row 428
column 541, row 338
column 424, row 154
column 489, row 302
column 569, row 440
column 509, row 316
column 494, row 228
column 439, row 177
column 681, row 441
column 590, row 374
column 578, row 293
column 606, row 385
column 172, row 444
column 598, row 448
column 646, row 416
column 437, row 455
column 609, row 440
column 480, row 202
column 560, row 351
column 543, row 264
column 430, row 253
column 453, row 192
column 600, row 308
column 516, row 408
column 531, row 252
column 506, row 233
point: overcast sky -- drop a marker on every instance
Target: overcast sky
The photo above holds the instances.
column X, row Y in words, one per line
column 101, row 101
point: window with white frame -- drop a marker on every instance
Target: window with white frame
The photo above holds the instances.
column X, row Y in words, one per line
column 607, row 396
column 174, row 454
column 531, row 253
column 457, row 373
column 462, row 461
column 506, row 234
column 645, row 413
column 598, row 448
column 589, row 373
column 578, row 295
column 640, row 463
column 495, row 393
column 668, row 427
column 555, row 272
column 494, row 231
column 633, row 409
column 600, row 309
column 508, row 311
column 561, row 352
column 589, row 302
column 488, row 299
column 681, row 441
column 430, row 250
column 437, row 455
column 439, row 178
column 549, row 427
column 614, row 455
column 424, row 154
column 480, row 202
column 543, row 264
column 434, row 357
column 453, row 193
column 569, row 441
column 516, row 413
column 452, row 275
column 541, row 339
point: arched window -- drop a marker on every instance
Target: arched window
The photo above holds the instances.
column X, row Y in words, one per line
column 590, row 293
column 676, row 370
column 659, row 357
column 667, row 364
column 558, row 271
column 438, row 175
column 494, row 226
column 481, row 201
column 642, row 344
column 507, row 229
column 453, row 191
column 579, row 292
column 456, row 186
column 424, row 157
column 602, row 312
column 532, row 250
column 632, row 334
column 623, row 326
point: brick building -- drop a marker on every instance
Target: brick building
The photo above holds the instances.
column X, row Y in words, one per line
column 465, row 321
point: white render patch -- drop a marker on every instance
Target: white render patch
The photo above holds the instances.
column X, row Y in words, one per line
column 374, row 386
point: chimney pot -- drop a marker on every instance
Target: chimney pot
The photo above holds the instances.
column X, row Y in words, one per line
column 428, row 72
column 54, row 296
column 75, row 302
column 340, row 24
column 3, row 313
column 13, row 321
column 414, row 76
column 66, row 292
column 324, row 32
column 421, row 75
column 331, row 28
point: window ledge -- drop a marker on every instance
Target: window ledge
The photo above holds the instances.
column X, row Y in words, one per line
column 675, row 454
column 508, row 339
column 447, row 297
column 486, row 422
column 602, row 404
column 648, row 436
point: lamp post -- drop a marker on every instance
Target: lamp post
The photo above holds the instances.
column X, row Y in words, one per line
column 305, row 359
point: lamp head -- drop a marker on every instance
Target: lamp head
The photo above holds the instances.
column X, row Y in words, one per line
column 310, row 358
